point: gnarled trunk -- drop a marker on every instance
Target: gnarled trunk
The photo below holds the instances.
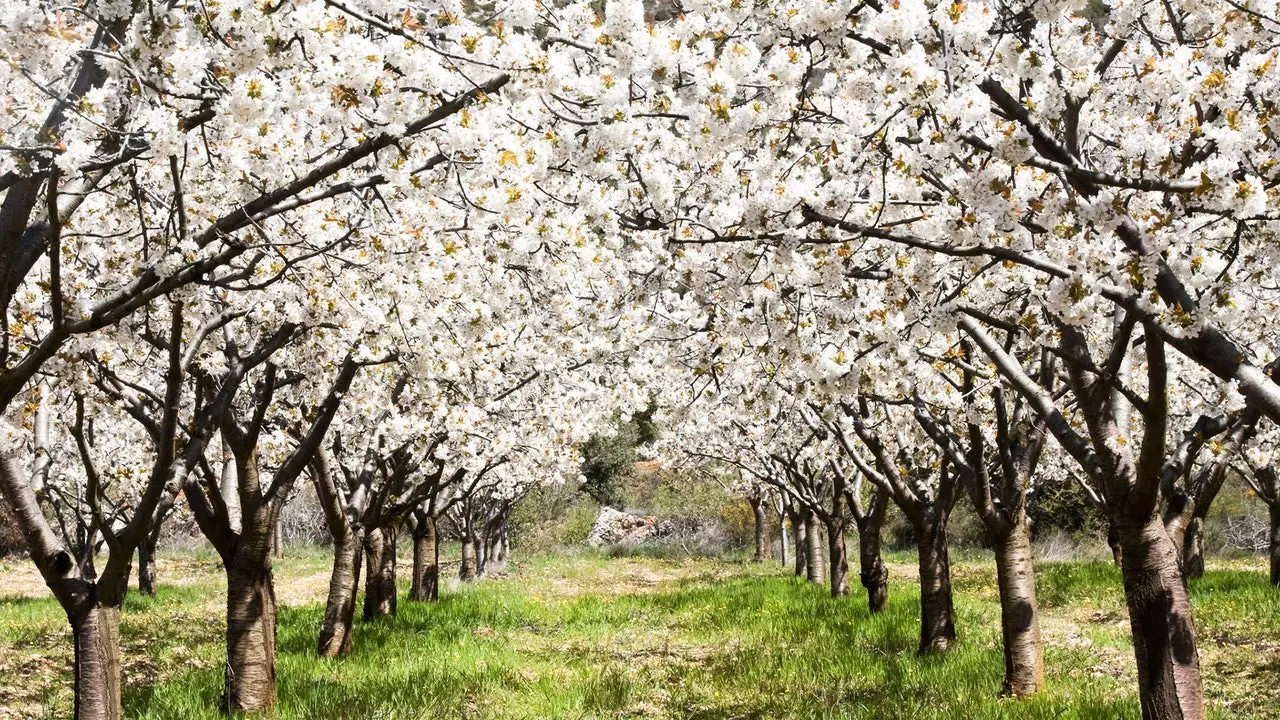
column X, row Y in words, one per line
column 340, row 606
column 96, row 634
column 426, row 562
column 871, row 568
column 1164, row 644
column 762, row 529
column 1019, row 621
column 251, row 631
column 937, row 615
column 1113, row 541
column 813, row 549
column 147, row 565
column 380, row 575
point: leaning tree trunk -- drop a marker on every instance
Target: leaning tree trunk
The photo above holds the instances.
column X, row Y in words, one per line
column 1164, row 644
column 380, row 576
column 813, row 549
column 937, row 615
column 251, row 625
column 762, row 529
column 426, row 562
column 96, row 634
column 871, row 568
column 1019, row 614
column 147, row 565
column 1275, row 544
column 340, row 606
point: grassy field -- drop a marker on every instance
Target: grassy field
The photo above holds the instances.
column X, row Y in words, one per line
column 586, row 636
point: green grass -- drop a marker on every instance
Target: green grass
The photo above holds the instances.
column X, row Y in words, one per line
column 588, row 636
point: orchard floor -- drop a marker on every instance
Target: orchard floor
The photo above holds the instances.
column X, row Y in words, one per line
column 586, row 636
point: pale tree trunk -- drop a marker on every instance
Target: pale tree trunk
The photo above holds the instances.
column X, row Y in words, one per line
column 1169, row 684
column 96, row 635
column 147, row 566
column 937, row 616
column 816, row 573
column 1019, row 614
column 799, row 545
column 762, row 529
column 340, row 607
column 467, row 571
column 277, row 540
column 251, row 625
column 426, row 562
column 380, row 575
column 782, row 540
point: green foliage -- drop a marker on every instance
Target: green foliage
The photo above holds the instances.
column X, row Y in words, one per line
column 1063, row 506
column 608, row 461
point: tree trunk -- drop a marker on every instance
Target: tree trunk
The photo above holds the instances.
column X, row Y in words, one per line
column 813, row 548
column 838, row 559
column 1164, row 644
column 1113, row 540
column 340, row 607
column 1193, row 549
column 277, row 540
column 1019, row 614
column 380, row 576
column 782, row 539
column 147, row 565
column 871, row 569
column 937, row 615
column 426, row 562
column 1275, row 544
column 799, row 546
column 96, row 635
column 251, row 631
column 467, row 571
column 762, row 529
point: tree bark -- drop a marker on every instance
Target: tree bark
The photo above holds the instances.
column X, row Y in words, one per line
column 1275, row 544
column 1113, row 541
column 1193, row 549
column 782, row 539
column 871, row 569
column 277, row 540
column 813, row 549
column 1019, row 614
column 799, row 546
column 426, row 562
column 838, row 559
column 937, row 615
column 762, row 529
column 251, row 630
column 147, row 566
column 340, row 606
column 96, row 635
column 380, row 575
column 1169, row 684
column 467, row 572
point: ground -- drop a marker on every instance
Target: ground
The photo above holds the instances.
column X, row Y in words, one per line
column 591, row 636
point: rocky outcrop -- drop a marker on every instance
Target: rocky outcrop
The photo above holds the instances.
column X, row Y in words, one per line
column 618, row 528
